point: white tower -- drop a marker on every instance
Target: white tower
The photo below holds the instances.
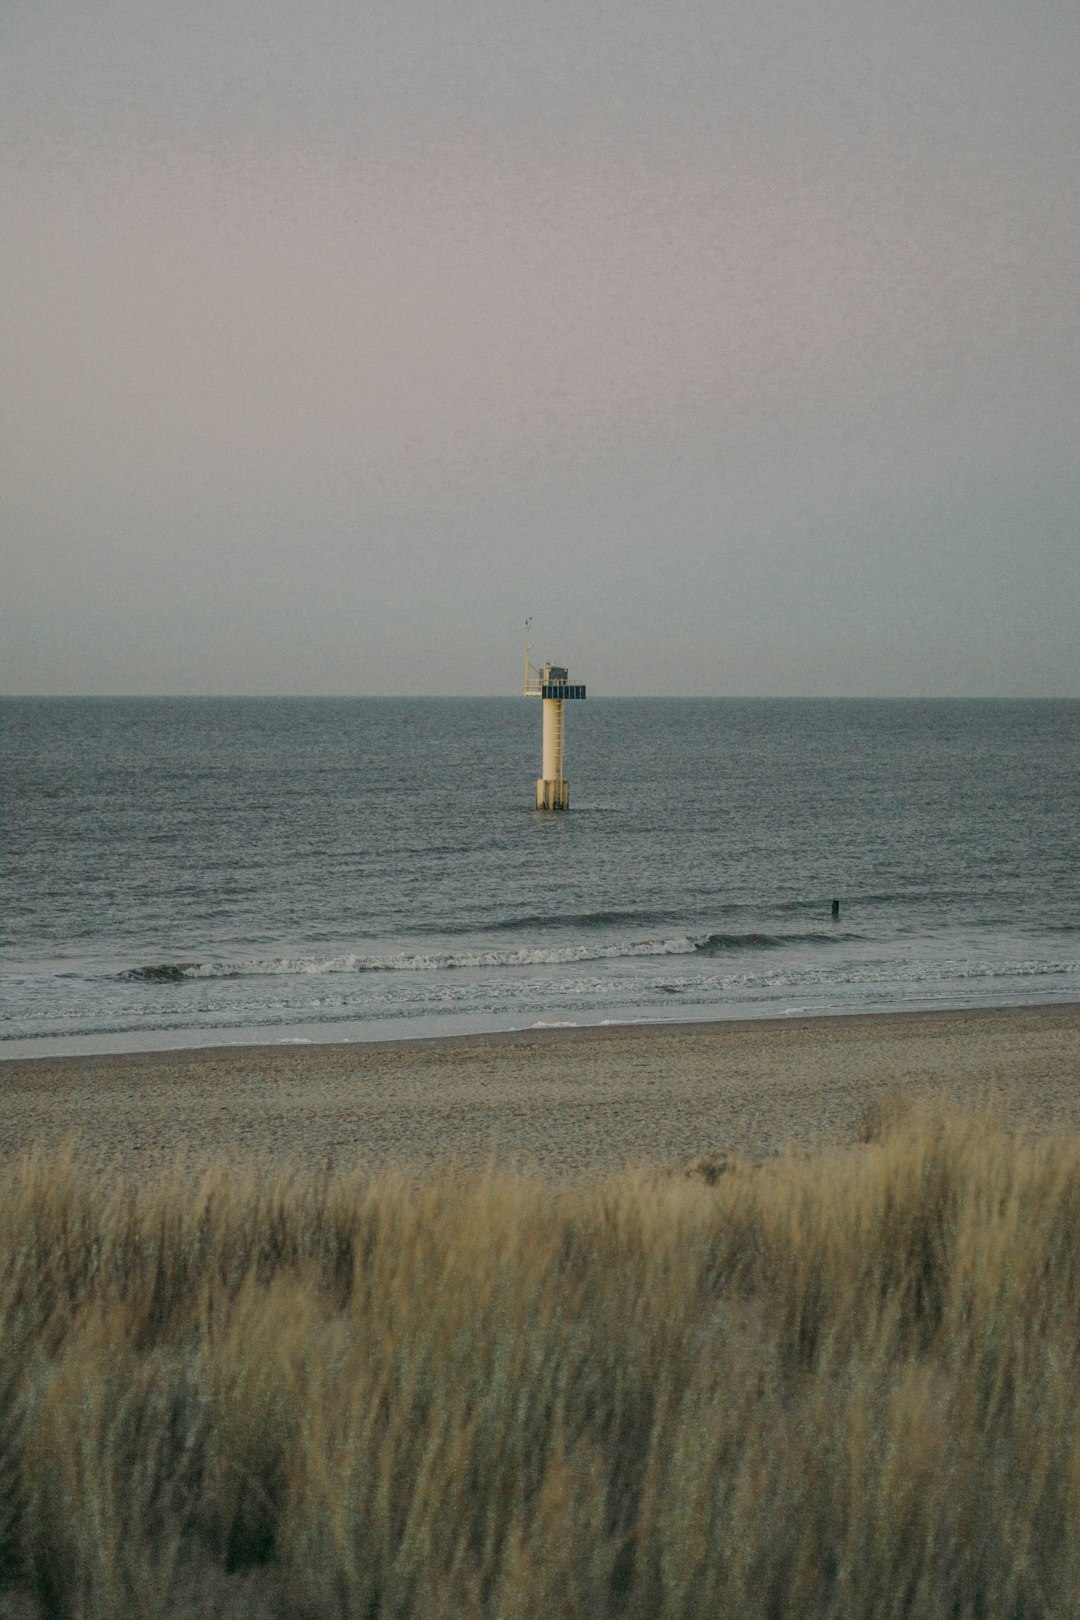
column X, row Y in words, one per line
column 552, row 685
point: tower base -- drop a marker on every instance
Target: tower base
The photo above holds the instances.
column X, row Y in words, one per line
column 552, row 794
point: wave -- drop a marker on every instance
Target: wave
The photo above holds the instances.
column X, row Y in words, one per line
column 575, row 919
column 163, row 972
column 553, row 922
column 440, row 961
column 714, row 944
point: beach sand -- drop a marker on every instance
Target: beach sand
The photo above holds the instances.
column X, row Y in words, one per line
column 561, row 1100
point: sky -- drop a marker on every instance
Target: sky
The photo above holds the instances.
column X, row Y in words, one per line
column 738, row 346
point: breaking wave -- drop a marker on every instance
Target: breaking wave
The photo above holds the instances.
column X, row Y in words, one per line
column 714, row 944
column 480, row 958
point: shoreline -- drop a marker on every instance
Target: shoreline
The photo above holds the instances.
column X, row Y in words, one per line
column 450, row 1027
column 566, row 1100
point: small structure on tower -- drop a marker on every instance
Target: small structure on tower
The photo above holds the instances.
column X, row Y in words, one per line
column 552, row 684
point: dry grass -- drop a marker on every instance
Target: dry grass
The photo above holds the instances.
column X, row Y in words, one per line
column 836, row 1387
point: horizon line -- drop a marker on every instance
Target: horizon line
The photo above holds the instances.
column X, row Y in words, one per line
column 490, row 697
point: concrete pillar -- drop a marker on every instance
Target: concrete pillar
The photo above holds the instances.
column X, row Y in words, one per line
column 552, row 789
column 552, row 795
column 553, row 739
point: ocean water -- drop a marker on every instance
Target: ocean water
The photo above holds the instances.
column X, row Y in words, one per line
column 183, row 871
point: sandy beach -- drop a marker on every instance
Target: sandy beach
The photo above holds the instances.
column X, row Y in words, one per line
column 563, row 1100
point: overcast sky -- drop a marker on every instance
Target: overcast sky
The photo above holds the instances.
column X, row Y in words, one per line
column 737, row 344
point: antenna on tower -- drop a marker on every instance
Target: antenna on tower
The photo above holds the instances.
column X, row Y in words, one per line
column 531, row 687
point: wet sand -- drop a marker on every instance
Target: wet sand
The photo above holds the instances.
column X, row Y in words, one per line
column 563, row 1100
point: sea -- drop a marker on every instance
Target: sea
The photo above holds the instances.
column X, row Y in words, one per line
column 182, row 872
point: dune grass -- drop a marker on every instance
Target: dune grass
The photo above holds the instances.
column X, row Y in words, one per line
column 843, row 1386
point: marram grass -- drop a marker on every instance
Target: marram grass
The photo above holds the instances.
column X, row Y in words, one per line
column 845, row 1386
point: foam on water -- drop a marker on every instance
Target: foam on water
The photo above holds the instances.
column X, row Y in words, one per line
column 494, row 957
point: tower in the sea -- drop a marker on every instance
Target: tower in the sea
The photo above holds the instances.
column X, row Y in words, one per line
column 551, row 683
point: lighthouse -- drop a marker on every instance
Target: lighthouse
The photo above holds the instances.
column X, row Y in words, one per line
column 551, row 684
